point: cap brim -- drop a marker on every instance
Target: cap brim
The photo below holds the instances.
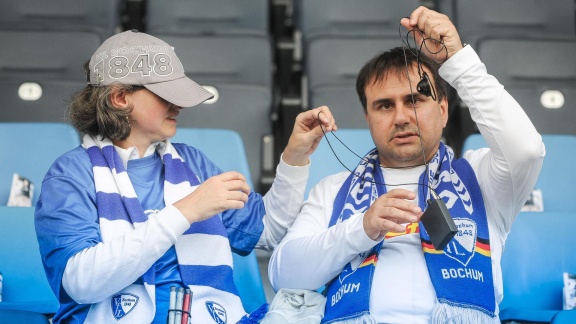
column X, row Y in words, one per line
column 182, row 92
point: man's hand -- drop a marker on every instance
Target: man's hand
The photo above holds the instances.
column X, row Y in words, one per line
column 433, row 25
column 307, row 134
column 389, row 211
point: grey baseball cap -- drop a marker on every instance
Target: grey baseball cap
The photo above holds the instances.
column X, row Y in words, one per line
column 137, row 58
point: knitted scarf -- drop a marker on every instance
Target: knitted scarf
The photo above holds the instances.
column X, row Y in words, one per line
column 461, row 274
column 204, row 256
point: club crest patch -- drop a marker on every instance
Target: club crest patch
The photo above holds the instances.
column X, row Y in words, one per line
column 123, row 304
column 462, row 247
column 217, row 312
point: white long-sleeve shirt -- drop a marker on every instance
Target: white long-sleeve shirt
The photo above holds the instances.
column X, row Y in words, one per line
column 311, row 254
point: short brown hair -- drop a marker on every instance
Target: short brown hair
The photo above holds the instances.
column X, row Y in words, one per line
column 91, row 111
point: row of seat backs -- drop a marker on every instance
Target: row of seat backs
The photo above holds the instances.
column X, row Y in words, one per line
column 99, row 17
column 543, row 81
column 104, row 17
column 38, row 145
column 208, row 17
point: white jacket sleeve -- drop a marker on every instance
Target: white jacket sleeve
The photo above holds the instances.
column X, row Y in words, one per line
column 282, row 202
column 508, row 171
column 312, row 254
column 123, row 260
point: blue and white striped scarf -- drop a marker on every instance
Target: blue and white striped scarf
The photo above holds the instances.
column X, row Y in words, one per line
column 203, row 251
column 461, row 298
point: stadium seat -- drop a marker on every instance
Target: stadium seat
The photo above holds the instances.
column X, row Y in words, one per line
column 29, row 150
column 25, row 287
column 510, row 18
column 557, row 174
column 238, row 69
column 226, row 149
column 207, row 17
column 100, row 17
column 543, row 82
column 40, row 70
column 564, row 317
column 324, row 162
column 345, row 18
column 539, row 248
column 8, row 316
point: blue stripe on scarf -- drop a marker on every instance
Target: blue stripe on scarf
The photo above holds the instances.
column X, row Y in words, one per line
column 96, row 157
column 109, row 207
column 109, row 153
column 209, row 225
column 219, row 277
column 182, row 173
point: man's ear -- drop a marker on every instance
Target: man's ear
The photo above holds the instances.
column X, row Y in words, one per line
column 119, row 99
column 444, row 111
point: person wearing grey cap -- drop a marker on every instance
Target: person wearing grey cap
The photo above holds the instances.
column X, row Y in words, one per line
column 129, row 214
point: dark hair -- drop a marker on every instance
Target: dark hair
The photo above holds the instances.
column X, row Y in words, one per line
column 91, row 111
column 391, row 61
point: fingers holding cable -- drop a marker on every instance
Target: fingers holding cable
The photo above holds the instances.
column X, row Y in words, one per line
column 435, row 26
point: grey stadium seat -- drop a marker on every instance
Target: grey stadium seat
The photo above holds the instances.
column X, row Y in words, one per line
column 101, row 17
column 207, row 17
column 343, row 17
column 40, row 70
column 543, row 81
column 511, row 17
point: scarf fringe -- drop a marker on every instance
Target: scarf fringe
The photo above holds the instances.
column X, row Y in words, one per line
column 363, row 319
column 443, row 313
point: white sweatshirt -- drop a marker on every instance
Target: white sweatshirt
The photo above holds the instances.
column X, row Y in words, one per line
column 311, row 253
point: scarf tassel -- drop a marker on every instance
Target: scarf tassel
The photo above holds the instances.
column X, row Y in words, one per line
column 443, row 313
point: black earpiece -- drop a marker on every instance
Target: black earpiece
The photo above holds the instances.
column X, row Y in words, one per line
column 424, row 86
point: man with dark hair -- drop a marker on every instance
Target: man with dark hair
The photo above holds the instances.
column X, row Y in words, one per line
column 360, row 233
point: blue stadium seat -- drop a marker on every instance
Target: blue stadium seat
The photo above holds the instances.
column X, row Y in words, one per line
column 8, row 316
column 564, row 317
column 242, row 85
column 25, row 286
column 29, row 150
column 207, row 17
column 557, row 174
column 539, row 248
column 226, row 149
column 40, row 70
column 325, row 163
